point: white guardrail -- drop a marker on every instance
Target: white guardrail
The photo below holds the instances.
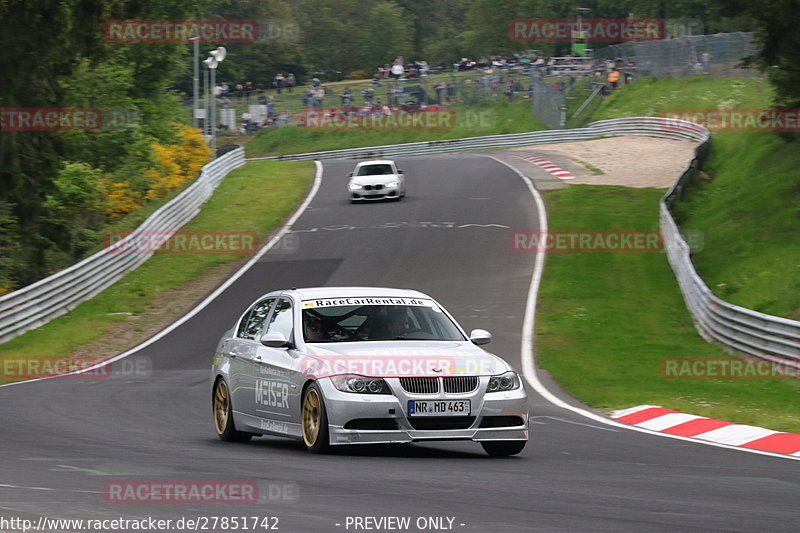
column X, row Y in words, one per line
column 737, row 329
column 38, row 303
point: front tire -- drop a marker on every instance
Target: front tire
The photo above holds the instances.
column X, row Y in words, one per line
column 314, row 421
column 503, row 448
column 223, row 414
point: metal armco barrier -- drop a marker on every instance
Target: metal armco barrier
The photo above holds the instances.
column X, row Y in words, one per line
column 38, row 303
column 737, row 329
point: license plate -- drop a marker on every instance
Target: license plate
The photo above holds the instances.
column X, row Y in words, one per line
column 439, row 407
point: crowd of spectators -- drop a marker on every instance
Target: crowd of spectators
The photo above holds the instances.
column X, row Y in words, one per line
column 499, row 77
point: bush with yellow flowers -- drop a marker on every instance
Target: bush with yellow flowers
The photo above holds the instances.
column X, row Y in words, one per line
column 177, row 163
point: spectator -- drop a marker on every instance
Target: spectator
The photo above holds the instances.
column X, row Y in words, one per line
column 441, row 92
column 262, row 97
column 248, row 91
column 278, row 82
column 397, row 71
column 368, row 94
column 291, row 82
column 239, row 92
column 319, row 96
column 613, row 78
column 347, row 98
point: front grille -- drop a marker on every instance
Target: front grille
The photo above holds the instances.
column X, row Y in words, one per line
column 420, row 385
column 460, row 384
column 372, row 424
column 441, row 422
column 501, row 421
column 370, row 187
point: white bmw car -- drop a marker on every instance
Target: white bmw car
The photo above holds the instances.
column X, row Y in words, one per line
column 376, row 180
column 363, row 365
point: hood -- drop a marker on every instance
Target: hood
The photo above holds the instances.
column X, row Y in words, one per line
column 401, row 359
column 372, row 180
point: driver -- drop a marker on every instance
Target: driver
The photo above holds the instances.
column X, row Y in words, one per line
column 395, row 324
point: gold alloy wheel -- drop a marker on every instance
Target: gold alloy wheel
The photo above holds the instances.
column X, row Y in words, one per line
column 221, row 407
column 311, row 417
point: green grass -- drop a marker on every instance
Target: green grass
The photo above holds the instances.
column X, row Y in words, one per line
column 606, row 321
column 652, row 97
column 471, row 121
column 254, row 198
column 749, row 215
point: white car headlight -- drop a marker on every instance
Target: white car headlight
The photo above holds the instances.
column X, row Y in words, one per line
column 392, row 184
column 504, row 382
column 360, row 384
column 355, row 187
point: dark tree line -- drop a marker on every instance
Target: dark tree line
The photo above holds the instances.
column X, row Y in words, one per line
column 55, row 55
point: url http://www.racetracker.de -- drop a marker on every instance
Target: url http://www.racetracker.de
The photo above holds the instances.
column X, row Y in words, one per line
column 168, row 525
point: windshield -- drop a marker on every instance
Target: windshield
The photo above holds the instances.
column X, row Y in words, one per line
column 348, row 323
column 374, row 170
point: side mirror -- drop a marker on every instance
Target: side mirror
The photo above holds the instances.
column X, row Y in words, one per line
column 480, row 336
column 349, row 174
column 401, row 171
column 275, row 340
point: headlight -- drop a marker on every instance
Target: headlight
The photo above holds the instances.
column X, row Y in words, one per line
column 392, row 184
column 503, row 382
column 360, row 384
column 355, row 187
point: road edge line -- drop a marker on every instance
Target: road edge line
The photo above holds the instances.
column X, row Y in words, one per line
column 527, row 352
column 211, row 297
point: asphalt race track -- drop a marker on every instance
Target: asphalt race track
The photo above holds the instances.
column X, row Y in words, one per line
column 64, row 439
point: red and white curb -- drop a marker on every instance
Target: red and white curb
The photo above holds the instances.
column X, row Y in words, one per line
column 548, row 166
column 674, row 423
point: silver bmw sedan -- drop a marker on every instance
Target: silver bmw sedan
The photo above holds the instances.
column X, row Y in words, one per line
column 363, row 365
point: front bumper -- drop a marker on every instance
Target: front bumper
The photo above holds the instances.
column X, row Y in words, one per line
column 344, row 409
column 381, row 194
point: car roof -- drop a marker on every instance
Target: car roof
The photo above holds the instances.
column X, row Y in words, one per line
column 311, row 293
column 376, row 162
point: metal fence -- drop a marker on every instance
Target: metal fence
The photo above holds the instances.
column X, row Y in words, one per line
column 717, row 55
column 38, row 303
column 737, row 329
column 548, row 103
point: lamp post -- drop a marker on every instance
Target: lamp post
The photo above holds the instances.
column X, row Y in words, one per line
column 213, row 60
column 581, row 34
column 196, row 80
